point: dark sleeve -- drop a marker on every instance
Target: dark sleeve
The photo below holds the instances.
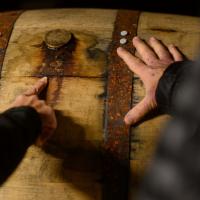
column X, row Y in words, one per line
column 171, row 83
column 174, row 173
column 19, row 128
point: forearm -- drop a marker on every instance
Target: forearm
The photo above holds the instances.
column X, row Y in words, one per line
column 19, row 128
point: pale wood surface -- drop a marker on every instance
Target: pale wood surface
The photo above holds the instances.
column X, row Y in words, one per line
column 184, row 32
column 92, row 28
column 69, row 167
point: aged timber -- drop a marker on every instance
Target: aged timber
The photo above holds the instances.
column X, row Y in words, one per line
column 7, row 21
column 70, row 165
column 119, row 89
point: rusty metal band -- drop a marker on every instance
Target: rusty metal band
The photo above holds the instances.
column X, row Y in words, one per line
column 7, row 21
column 119, row 91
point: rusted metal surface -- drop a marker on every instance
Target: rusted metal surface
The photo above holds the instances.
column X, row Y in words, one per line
column 7, row 20
column 119, row 90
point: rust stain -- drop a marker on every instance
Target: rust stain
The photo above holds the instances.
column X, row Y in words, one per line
column 56, row 62
column 7, row 20
column 119, row 89
column 83, row 56
column 31, row 58
column 78, row 58
column 53, row 91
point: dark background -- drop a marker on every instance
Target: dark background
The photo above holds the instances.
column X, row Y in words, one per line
column 189, row 7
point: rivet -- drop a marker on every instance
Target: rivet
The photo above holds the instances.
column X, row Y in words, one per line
column 123, row 41
column 124, row 33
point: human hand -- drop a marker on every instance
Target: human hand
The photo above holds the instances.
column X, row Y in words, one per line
column 47, row 115
column 152, row 60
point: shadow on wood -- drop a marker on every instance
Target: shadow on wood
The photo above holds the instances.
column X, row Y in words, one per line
column 81, row 159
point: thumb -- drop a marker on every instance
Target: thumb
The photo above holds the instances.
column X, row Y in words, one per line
column 45, row 135
column 138, row 111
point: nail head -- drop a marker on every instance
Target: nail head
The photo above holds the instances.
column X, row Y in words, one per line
column 124, row 33
column 123, row 41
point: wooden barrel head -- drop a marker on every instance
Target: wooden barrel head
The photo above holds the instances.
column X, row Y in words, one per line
column 90, row 90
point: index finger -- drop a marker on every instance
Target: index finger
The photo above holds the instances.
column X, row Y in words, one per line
column 37, row 88
column 134, row 63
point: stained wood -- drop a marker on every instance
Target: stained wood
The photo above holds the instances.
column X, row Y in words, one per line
column 7, row 20
column 182, row 31
column 69, row 166
column 92, row 29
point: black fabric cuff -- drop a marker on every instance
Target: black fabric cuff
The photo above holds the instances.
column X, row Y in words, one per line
column 168, row 83
column 28, row 120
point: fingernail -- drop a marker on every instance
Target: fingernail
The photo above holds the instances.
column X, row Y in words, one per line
column 171, row 46
column 127, row 121
column 44, row 79
column 136, row 38
column 120, row 49
column 152, row 38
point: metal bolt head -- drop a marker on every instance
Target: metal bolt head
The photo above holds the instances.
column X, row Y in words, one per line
column 124, row 33
column 57, row 38
column 123, row 41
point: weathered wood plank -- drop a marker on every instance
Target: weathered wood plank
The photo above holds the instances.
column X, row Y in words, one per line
column 69, row 167
column 92, row 30
column 182, row 31
column 73, row 155
column 28, row 55
column 7, row 20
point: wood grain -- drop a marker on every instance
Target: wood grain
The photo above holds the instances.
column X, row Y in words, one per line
column 69, row 166
column 7, row 20
column 92, row 30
